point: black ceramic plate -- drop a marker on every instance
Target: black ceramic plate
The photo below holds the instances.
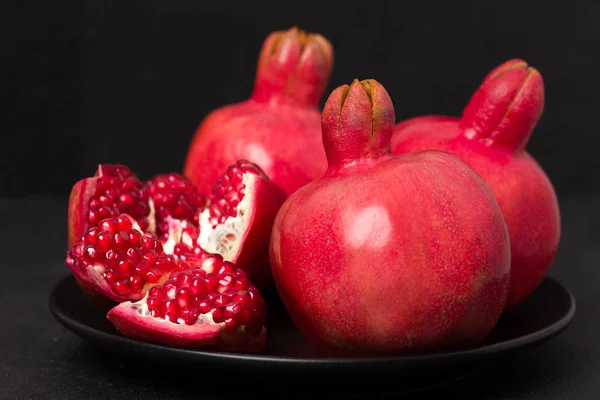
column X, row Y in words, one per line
column 546, row 313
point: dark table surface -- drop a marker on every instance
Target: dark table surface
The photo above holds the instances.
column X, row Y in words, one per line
column 39, row 359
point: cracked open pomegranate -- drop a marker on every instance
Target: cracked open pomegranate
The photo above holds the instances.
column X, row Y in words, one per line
column 388, row 255
column 114, row 189
column 279, row 126
column 491, row 136
column 211, row 304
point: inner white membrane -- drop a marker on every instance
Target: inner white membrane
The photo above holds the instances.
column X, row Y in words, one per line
column 224, row 238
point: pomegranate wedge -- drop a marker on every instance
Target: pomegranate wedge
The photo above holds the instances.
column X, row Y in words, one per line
column 211, row 305
column 119, row 261
column 237, row 224
column 113, row 190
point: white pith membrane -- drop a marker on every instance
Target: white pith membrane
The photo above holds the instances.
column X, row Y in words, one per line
column 226, row 238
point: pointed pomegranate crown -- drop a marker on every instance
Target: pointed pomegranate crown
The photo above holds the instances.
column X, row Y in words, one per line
column 357, row 122
column 506, row 107
column 293, row 68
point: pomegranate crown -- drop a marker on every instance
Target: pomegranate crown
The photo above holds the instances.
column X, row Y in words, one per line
column 293, row 68
column 357, row 122
column 506, row 107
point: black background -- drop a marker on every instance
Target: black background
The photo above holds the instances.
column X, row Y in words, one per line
column 86, row 82
column 95, row 81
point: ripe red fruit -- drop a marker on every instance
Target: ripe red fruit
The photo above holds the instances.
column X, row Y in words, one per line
column 278, row 127
column 210, row 305
column 387, row 255
column 491, row 137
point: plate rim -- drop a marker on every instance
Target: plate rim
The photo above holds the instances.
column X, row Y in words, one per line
column 537, row 337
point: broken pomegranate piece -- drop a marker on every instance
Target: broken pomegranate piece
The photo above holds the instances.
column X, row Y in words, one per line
column 237, row 224
column 112, row 191
column 174, row 196
column 211, row 305
column 117, row 259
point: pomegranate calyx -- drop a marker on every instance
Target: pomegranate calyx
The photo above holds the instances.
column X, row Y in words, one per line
column 506, row 107
column 293, row 68
column 358, row 122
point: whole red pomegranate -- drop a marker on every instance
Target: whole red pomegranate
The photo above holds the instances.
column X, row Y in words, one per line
column 491, row 137
column 278, row 127
column 388, row 255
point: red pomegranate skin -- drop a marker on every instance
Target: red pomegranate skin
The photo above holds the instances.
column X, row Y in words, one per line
column 388, row 255
column 491, row 137
column 279, row 126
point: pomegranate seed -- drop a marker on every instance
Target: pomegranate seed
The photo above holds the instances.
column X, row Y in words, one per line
column 156, row 303
column 241, row 283
column 242, row 297
column 122, row 287
column 157, row 291
column 134, row 254
column 211, row 281
column 135, row 238
column 91, row 235
column 212, row 263
column 148, row 242
column 153, row 275
column 184, row 296
column 136, row 283
column 122, row 240
column 228, row 268
column 204, row 306
column 232, row 309
column 170, row 287
column 113, row 256
column 172, row 307
column 221, row 299
column 124, row 223
column 198, row 286
column 183, row 278
column 104, row 241
column 125, row 269
column 218, row 314
column 110, row 276
column 109, row 225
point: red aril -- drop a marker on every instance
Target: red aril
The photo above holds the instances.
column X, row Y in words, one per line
column 491, row 137
column 113, row 190
column 388, row 255
column 278, row 127
column 210, row 305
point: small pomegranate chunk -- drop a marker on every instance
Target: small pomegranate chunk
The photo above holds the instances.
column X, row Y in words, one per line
column 112, row 191
column 118, row 260
column 237, row 224
column 176, row 197
column 212, row 304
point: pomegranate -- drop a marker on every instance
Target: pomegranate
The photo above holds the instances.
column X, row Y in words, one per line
column 278, row 127
column 113, row 190
column 491, row 137
column 174, row 197
column 118, row 260
column 388, row 255
column 211, row 304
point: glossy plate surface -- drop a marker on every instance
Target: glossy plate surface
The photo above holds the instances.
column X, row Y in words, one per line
column 547, row 312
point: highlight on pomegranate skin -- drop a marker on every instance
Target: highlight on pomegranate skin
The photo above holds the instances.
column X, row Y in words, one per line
column 491, row 136
column 114, row 189
column 211, row 304
column 174, row 196
column 279, row 126
column 388, row 255
column 119, row 260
